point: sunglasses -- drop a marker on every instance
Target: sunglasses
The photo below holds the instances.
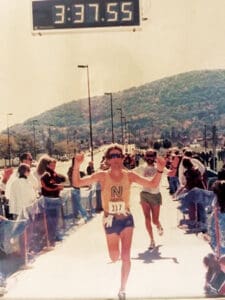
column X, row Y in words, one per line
column 115, row 155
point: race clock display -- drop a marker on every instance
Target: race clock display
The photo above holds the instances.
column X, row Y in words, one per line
column 72, row 14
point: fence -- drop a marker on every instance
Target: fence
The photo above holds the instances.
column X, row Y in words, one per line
column 21, row 241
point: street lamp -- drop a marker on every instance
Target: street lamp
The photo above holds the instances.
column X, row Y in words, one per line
column 121, row 121
column 8, row 134
column 89, row 107
column 205, row 137
column 125, row 127
column 110, row 94
column 50, row 146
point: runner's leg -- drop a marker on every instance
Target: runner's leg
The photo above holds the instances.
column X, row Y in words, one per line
column 126, row 240
column 155, row 214
column 146, row 210
column 113, row 246
column 155, row 217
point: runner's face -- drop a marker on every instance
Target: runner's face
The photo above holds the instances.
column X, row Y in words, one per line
column 115, row 158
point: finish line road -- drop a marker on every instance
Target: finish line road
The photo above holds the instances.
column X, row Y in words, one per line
column 79, row 267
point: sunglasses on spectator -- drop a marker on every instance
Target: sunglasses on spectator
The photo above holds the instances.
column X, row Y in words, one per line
column 115, row 155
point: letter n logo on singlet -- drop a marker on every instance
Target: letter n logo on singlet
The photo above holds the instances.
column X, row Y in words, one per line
column 116, row 192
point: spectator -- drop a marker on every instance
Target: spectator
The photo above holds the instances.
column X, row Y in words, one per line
column 22, row 193
column 4, row 201
column 196, row 163
column 193, row 176
column 42, row 164
column 51, row 186
column 4, row 179
column 216, row 224
column 193, row 179
column 25, row 158
column 90, row 168
column 104, row 164
column 221, row 173
column 173, row 172
column 76, row 196
column 22, row 203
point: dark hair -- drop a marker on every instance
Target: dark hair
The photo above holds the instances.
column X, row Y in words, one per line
column 188, row 153
column 219, row 189
column 113, row 147
column 24, row 156
column 150, row 152
column 150, row 156
column 73, row 161
column 42, row 164
column 221, row 174
column 22, row 169
column 187, row 163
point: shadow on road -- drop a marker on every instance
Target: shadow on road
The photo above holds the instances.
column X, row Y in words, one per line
column 149, row 256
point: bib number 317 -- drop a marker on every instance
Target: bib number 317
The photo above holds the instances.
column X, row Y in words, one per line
column 117, row 207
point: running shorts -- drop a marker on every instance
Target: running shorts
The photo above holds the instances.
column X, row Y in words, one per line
column 118, row 224
column 154, row 199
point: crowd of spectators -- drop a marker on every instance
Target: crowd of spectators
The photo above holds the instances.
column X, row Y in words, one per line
column 35, row 205
column 202, row 203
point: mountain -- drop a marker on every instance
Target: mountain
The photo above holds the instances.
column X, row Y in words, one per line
column 172, row 107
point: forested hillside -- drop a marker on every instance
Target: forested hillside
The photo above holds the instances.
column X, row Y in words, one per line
column 173, row 107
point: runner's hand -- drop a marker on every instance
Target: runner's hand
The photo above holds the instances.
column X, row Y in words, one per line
column 161, row 162
column 107, row 221
column 79, row 158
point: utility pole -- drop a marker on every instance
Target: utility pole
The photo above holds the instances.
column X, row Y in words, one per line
column 121, row 121
column 205, row 141
column 89, row 110
column 9, row 144
column 214, row 143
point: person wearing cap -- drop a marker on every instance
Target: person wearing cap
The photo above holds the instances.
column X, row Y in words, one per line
column 151, row 198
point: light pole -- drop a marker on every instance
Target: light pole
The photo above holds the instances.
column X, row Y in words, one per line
column 125, row 127
column 111, row 104
column 121, row 121
column 34, row 138
column 205, row 137
column 214, row 143
column 89, row 107
column 50, row 146
column 8, row 134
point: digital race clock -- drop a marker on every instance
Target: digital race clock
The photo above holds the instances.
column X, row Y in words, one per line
column 72, row 14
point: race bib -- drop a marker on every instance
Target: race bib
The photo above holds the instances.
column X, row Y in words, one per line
column 117, row 207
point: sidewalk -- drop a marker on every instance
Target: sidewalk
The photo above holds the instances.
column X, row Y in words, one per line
column 79, row 267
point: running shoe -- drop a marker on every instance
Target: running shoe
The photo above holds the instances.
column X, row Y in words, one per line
column 152, row 245
column 122, row 295
column 160, row 230
column 3, row 291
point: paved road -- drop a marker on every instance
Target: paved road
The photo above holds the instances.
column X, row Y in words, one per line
column 79, row 267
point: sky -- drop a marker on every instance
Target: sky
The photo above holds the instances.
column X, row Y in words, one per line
column 38, row 73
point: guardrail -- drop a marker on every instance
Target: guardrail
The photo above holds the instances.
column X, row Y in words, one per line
column 22, row 240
